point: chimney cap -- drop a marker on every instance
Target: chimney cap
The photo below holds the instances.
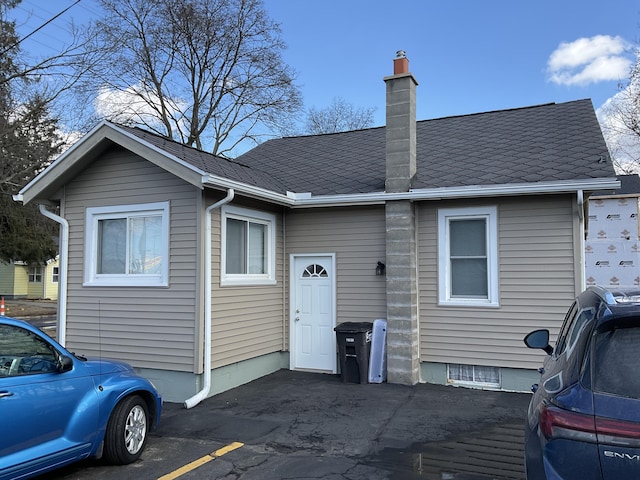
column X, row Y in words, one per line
column 400, row 63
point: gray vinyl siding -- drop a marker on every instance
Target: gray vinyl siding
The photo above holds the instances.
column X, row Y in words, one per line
column 356, row 235
column 150, row 327
column 537, row 282
column 247, row 321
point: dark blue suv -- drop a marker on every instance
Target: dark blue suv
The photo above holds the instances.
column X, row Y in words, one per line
column 584, row 417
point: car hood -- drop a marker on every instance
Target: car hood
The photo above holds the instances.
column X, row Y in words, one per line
column 100, row 366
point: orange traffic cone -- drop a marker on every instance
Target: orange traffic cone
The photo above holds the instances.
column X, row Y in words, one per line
column 2, row 307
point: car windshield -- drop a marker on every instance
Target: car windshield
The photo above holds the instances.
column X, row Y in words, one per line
column 616, row 360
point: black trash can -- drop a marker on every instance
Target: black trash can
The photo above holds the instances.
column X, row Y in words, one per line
column 354, row 346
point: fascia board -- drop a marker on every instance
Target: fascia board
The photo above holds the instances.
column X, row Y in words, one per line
column 61, row 164
column 303, row 200
column 473, row 191
column 248, row 190
column 158, row 156
column 74, row 156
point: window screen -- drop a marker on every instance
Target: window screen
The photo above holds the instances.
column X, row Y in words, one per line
column 468, row 250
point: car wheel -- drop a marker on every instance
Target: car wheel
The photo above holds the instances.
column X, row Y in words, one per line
column 126, row 434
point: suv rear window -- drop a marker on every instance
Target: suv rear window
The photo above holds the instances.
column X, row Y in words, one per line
column 616, row 358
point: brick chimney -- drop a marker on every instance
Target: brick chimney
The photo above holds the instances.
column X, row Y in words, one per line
column 401, row 126
column 403, row 347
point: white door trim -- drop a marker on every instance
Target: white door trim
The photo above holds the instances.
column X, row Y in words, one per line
column 292, row 305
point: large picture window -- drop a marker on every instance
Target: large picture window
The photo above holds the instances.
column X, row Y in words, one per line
column 248, row 251
column 468, row 256
column 127, row 245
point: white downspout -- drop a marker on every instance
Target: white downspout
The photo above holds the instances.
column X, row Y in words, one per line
column 202, row 394
column 583, row 227
column 62, row 287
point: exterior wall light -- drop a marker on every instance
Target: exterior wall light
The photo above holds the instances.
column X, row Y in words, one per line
column 380, row 268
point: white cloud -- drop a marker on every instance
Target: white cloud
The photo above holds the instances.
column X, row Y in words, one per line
column 624, row 144
column 590, row 60
column 126, row 106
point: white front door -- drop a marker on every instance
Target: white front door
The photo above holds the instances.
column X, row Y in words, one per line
column 312, row 338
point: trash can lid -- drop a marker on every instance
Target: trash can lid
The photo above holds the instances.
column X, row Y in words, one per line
column 354, row 327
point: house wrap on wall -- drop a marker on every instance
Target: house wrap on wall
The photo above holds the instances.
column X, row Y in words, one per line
column 206, row 273
column 613, row 239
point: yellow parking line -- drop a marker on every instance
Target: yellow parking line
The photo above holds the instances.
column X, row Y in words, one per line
column 201, row 461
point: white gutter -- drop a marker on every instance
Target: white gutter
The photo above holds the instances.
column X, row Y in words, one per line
column 581, row 204
column 62, row 286
column 202, row 394
column 306, row 200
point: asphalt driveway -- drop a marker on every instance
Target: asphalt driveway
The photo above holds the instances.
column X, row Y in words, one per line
column 295, row 425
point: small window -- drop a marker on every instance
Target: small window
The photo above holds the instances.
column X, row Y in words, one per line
column 314, row 271
column 55, row 275
column 248, row 251
column 569, row 318
column 35, row 274
column 582, row 320
column 468, row 256
column 127, row 245
column 474, row 375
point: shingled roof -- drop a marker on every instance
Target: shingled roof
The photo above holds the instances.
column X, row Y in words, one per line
column 629, row 186
column 211, row 164
column 543, row 143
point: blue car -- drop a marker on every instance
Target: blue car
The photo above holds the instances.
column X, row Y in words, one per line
column 57, row 408
column 584, row 417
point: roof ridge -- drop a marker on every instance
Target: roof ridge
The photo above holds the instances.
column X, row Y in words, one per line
column 307, row 135
column 501, row 110
column 462, row 115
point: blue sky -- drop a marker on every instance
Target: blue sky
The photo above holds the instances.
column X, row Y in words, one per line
column 468, row 55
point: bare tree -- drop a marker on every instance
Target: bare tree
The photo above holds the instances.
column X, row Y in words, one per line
column 340, row 116
column 54, row 79
column 620, row 120
column 29, row 139
column 207, row 73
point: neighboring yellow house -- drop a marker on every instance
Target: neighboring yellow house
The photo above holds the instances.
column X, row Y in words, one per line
column 19, row 280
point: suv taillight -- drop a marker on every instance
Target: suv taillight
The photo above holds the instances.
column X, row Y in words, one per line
column 618, row 432
column 559, row 423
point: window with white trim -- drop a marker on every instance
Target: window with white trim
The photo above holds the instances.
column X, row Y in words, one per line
column 468, row 256
column 35, row 274
column 248, row 247
column 55, row 275
column 127, row 245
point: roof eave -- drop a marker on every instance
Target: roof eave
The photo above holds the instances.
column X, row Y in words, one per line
column 55, row 174
column 246, row 189
column 306, row 200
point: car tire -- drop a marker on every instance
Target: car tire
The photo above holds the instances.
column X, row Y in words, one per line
column 127, row 430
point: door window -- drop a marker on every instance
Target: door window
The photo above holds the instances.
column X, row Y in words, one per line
column 314, row 270
column 24, row 353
